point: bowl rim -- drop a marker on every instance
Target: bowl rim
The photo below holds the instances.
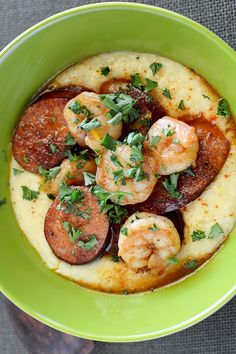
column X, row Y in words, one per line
column 230, row 52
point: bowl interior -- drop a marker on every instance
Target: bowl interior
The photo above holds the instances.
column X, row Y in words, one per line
column 25, row 65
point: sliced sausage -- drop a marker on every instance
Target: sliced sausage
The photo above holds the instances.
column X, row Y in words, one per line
column 213, row 151
column 40, row 135
column 94, row 225
column 67, row 92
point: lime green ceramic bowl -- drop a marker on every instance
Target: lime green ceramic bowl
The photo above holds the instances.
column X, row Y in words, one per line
column 25, row 64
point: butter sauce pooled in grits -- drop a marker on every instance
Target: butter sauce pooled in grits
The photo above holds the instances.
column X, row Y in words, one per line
column 148, row 252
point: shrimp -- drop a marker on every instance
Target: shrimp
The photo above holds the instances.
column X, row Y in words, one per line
column 89, row 105
column 72, row 173
column 117, row 171
column 148, row 240
column 173, row 143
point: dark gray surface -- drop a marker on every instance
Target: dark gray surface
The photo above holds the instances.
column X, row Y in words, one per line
column 216, row 334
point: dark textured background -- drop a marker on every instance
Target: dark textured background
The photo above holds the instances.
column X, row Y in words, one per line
column 216, row 334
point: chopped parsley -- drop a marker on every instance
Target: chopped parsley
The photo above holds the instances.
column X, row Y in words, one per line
column 150, row 85
column 134, row 139
column 105, row 70
column 155, row 140
column 54, row 119
column 72, row 232
column 155, row 67
column 16, row 171
column 51, row 196
column 173, row 260
column 3, row 201
column 70, row 198
column 145, row 122
column 136, row 81
column 115, row 160
column 49, row 174
column 121, row 107
column 168, row 131
column 89, row 245
column 154, row 227
column 54, row 148
column 166, row 93
column 191, row 264
column 26, row 159
column 190, row 172
column 124, row 231
column 69, row 140
column 117, row 213
column 205, row 96
column 76, row 108
column 181, row 105
column 216, row 230
column 170, row 184
column 84, row 214
column 89, row 178
column 88, row 124
column 223, row 108
column 119, row 175
column 115, row 258
column 198, row 235
column 108, row 142
column 29, row 194
column 136, row 153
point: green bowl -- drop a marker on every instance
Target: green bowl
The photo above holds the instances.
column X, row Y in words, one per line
column 25, row 65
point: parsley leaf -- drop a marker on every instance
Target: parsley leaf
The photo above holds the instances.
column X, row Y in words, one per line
column 76, row 108
column 170, row 184
column 70, row 198
column 134, row 139
column 117, row 213
column 89, row 178
column 136, row 81
column 69, row 140
column 119, row 175
column 155, row 140
column 181, row 105
column 173, row 260
column 166, row 93
column 105, row 70
column 154, row 227
column 89, row 245
column 53, row 148
column 205, row 96
column 190, row 172
column 191, row 264
column 136, row 153
column 16, row 171
column 150, row 85
column 198, row 235
column 223, row 108
column 124, row 231
column 216, row 230
column 108, row 142
column 88, row 124
column 72, row 232
column 115, row 258
column 29, row 194
column 114, row 159
column 49, row 174
column 168, row 131
column 155, row 67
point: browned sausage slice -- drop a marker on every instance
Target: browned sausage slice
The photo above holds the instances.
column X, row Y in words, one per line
column 91, row 229
column 213, row 151
column 40, row 135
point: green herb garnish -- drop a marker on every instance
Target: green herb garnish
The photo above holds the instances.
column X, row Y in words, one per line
column 150, row 85
column 72, row 232
column 168, row 131
column 170, row 184
column 166, row 93
column 155, row 140
column 108, row 142
column 189, row 172
column 173, row 260
column 89, row 178
column 76, row 108
column 155, row 67
column 181, row 105
column 191, row 264
column 154, row 227
column 114, row 159
column 198, row 235
column 49, row 174
column 88, row 124
column 124, row 231
column 54, row 148
column 115, row 258
column 29, row 194
column 89, row 245
column 16, row 171
column 216, row 230
column 223, row 108
column 69, row 140
column 105, row 70
column 205, row 96
column 71, row 198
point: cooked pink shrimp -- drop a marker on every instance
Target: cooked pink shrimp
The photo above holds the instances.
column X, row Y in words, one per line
column 89, row 105
column 117, row 172
column 148, row 240
column 174, row 145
